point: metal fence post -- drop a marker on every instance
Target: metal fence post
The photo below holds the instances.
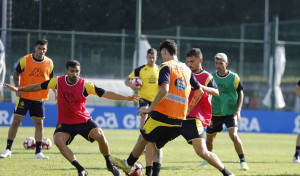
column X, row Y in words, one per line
column 122, row 53
column 178, row 41
column 72, row 44
column 242, row 48
column 274, row 44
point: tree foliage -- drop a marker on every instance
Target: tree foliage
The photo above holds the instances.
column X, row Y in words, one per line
column 107, row 15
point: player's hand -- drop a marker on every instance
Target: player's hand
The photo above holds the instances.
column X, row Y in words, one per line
column 143, row 111
column 237, row 115
column 133, row 98
column 10, row 87
column 19, row 94
column 134, row 87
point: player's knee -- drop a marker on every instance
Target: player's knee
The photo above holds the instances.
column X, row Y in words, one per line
column 234, row 137
column 16, row 122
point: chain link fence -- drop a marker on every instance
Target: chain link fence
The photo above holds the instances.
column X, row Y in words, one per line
column 110, row 55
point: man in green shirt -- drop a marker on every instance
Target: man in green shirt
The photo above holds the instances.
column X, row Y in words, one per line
column 226, row 108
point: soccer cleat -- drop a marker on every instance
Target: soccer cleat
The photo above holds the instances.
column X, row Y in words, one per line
column 120, row 164
column 296, row 159
column 203, row 164
column 83, row 173
column 5, row 154
column 231, row 174
column 114, row 170
column 244, row 166
column 40, row 156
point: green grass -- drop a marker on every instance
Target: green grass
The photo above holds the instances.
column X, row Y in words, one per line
column 266, row 154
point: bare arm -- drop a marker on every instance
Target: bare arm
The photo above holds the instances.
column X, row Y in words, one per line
column 16, row 78
column 116, row 96
column 239, row 105
column 210, row 90
column 29, row 88
column 297, row 91
column 196, row 97
column 164, row 89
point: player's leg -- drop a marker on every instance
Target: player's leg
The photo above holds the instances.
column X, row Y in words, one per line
column 149, row 149
column 231, row 124
column 37, row 113
column 12, row 132
column 62, row 137
column 157, row 159
column 137, row 151
column 211, row 133
column 152, row 131
column 296, row 158
column 20, row 111
column 94, row 133
column 201, row 150
column 39, row 133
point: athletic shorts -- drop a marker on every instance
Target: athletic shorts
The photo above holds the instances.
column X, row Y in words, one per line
column 144, row 102
column 160, row 129
column 72, row 130
column 216, row 124
column 36, row 108
column 191, row 129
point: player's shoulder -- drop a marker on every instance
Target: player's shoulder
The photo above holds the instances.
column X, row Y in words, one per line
column 140, row 67
column 234, row 74
column 48, row 58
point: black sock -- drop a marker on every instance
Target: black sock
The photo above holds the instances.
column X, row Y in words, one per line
column 225, row 172
column 38, row 147
column 156, row 169
column 297, row 151
column 108, row 163
column 131, row 160
column 242, row 158
column 9, row 144
column 77, row 165
column 148, row 170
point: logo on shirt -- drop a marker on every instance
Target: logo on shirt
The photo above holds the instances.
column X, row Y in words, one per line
column 152, row 80
column 180, row 84
column 223, row 89
column 37, row 72
column 69, row 97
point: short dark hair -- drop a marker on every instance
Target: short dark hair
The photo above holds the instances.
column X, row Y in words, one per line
column 194, row 52
column 72, row 63
column 170, row 46
column 41, row 42
column 152, row 51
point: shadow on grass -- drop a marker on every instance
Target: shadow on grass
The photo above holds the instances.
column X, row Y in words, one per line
column 273, row 175
column 200, row 160
column 66, row 169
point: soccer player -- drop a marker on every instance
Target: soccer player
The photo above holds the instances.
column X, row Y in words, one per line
column 192, row 128
column 32, row 69
column 226, row 108
column 148, row 74
column 296, row 158
column 169, row 107
column 73, row 117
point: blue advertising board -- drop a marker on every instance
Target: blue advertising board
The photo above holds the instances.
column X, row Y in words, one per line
column 254, row 121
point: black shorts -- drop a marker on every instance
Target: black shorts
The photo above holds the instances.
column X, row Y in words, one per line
column 83, row 129
column 160, row 129
column 216, row 124
column 36, row 108
column 144, row 102
column 191, row 129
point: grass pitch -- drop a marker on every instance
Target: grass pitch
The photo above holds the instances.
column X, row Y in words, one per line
column 266, row 154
